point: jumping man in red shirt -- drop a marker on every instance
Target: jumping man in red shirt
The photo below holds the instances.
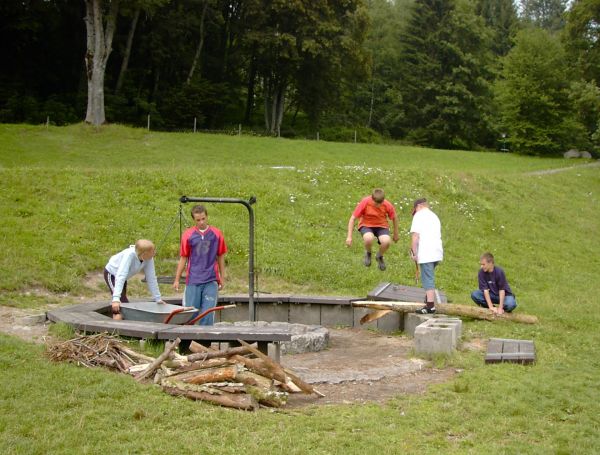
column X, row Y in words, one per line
column 373, row 213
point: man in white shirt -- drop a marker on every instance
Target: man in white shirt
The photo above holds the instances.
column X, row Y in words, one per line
column 426, row 249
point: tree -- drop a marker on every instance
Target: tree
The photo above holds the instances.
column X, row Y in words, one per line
column 546, row 14
column 445, row 62
column 533, row 96
column 501, row 17
column 582, row 38
column 100, row 20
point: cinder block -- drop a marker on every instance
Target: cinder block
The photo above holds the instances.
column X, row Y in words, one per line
column 337, row 315
column 273, row 312
column 305, row 313
column 437, row 336
column 413, row 320
column 391, row 322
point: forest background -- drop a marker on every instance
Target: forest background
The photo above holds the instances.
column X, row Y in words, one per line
column 461, row 74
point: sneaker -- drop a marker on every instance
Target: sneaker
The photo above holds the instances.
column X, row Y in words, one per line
column 367, row 260
column 380, row 262
column 425, row 310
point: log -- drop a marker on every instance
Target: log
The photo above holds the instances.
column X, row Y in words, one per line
column 234, row 400
column 253, row 379
column 215, row 375
column 169, row 347
column 196, row 347
column 240, row 350
column 202, row 365
column 474, row 312
column 370, row 317
column 138, row 356
column 268, row 397
column 304, row 386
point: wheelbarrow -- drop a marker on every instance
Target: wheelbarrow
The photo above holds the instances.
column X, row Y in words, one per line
column 165, row 313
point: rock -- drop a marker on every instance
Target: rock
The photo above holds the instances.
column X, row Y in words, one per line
column 585, row 154
column 573, row 153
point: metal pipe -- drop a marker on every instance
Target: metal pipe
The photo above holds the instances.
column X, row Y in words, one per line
column 248, row 205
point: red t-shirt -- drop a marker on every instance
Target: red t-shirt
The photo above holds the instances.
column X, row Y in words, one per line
column 370, row 215
column 202, row 250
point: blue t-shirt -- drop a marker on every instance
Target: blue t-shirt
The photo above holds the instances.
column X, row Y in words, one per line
column 494, row 281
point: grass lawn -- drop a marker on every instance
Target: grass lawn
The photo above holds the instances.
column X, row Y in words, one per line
column 73, row 196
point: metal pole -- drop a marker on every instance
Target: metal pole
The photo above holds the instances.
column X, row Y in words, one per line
column 248, row 205
column 148, row 122
column 194, row 124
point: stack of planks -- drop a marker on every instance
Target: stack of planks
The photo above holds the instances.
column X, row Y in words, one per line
column 240, row 377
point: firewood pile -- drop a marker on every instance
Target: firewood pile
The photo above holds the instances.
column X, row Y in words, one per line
column 240, row 377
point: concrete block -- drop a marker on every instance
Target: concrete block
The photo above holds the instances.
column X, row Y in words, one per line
column 391, row 322
column 437, row 336
column 413, row 320
column 273, row 312
column 305, row 314
column 337, row 315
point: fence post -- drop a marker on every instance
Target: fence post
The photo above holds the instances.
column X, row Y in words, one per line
column 47, row 121
column 239, row 129
column 148, row 122
column 317, row 135
column 195, row 124
column 355, row 136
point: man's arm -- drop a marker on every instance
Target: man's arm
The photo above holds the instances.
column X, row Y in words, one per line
column 501, row 295
column 221, row 265
column 488, row 299
column 180, row 267
column 414, row 246
column 350, row 229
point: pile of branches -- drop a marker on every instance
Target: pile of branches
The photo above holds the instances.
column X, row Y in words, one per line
column 240, row 377
column 100, row 350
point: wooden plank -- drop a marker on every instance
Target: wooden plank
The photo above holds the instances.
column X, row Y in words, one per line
column 224, row 333
column 399, row 292
column 322, row 299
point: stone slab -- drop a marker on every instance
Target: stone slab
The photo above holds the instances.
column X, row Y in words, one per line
column 306, row 313
column 358, row 313
column 337, row 316
column 391, row 322
column 270, row 312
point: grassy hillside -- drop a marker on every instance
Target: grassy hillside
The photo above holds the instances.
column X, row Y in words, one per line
column 73, row 196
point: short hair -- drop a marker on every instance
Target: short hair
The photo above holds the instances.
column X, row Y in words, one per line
column 378, row 195
column 199, row 209
column 143, row 245
column 489, row 257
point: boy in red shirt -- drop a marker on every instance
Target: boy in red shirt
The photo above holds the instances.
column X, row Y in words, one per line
column 203, row 250
column 373, row 213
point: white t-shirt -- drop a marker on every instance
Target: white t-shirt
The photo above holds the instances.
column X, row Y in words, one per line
column 428, row 226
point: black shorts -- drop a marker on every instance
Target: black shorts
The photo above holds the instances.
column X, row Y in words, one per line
column 377, row 231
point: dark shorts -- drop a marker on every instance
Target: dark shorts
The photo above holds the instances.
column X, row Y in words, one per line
column 377, row 231
column 109, row 279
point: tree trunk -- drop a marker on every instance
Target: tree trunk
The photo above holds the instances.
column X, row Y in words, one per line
column 451, row 309
column 221, row 374
column 250, row 96
column 200, row 44
column 230, row 400
column 127, row 54
column 274, row 104
column 99, row 46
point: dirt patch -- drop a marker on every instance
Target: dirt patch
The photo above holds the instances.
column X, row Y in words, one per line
column 359, row 366
column 27, row 325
